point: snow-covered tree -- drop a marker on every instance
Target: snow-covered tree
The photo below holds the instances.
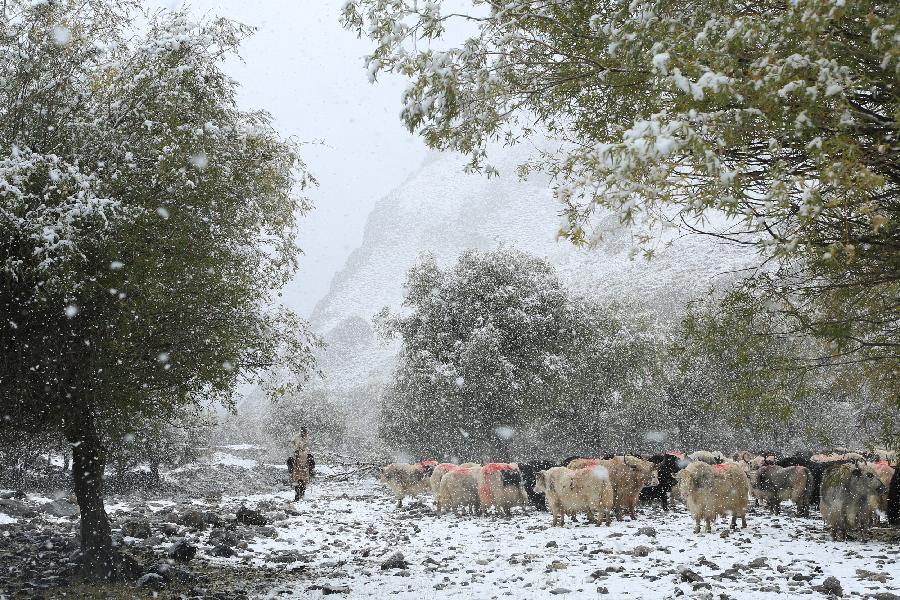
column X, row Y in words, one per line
column 499, row 359
column 772, row 124
column 145, row 225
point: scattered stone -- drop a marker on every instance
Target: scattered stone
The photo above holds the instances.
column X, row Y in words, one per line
column 394, row 561
column 175, row 574
column 551, row 544
column 650, row 531
column 152, row 581
column 193, row 519
column 330, row 588
column 222, row 551
column 832, row 586
column 15, row 508
column 249, row 516
column 286, row 556
column 136, row 528
column 182, row 551
column 758, row 563
column 602, row 590
column 872, row 575
column 169, row 528
column 60, row 508
column 560, row 590
column 641, row 551
column 266, row 531
column 690, row 576
column 557, row 565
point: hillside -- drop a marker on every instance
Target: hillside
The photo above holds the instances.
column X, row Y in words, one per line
column 442, row 210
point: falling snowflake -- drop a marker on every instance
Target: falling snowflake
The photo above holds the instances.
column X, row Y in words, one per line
column 61, row 35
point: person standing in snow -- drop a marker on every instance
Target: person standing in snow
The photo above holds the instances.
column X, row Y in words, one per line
column 299, row 463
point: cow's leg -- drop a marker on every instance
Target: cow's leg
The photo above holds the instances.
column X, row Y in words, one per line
column 709, row 524
column 697, row 527
column 665, row 501
column 734, row 520
column 743, row 520
column 618, row 513
column 400, row 502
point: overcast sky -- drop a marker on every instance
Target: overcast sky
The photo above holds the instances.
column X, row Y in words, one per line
column 308, row 72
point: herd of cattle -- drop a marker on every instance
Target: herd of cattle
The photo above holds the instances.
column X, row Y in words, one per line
column 849, row 488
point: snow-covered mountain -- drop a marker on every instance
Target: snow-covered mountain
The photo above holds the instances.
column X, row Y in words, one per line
column 442, row 210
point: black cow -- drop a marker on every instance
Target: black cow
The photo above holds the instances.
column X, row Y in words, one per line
column 893, row 505
column 529, row 473
column 669, row 465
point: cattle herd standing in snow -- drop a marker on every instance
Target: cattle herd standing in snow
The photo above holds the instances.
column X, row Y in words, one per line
column 848, row 487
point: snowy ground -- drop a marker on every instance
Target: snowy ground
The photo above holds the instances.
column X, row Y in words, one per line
column 346, row 530
column 336, row 539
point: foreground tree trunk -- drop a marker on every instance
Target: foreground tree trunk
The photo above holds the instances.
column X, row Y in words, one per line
column 88, row 464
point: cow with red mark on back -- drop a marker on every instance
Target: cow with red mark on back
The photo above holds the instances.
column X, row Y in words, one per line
column 713, row 490
column 500, row 486
column 458, row 491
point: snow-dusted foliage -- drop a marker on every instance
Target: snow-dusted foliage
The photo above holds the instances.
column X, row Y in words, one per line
column 781, row 117
column 145, row 225
column 499, row 359
column 144, row 219
column 771, row 114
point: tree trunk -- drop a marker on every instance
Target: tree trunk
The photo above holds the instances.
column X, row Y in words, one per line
column 88, row 464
